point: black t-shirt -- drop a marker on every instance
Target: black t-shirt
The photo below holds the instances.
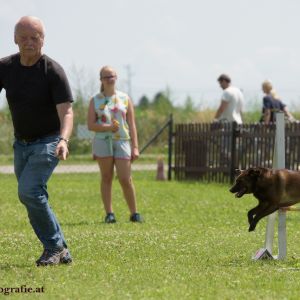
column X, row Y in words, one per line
column 33, row 93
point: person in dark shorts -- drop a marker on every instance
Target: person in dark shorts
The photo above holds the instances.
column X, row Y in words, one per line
column 39, row 99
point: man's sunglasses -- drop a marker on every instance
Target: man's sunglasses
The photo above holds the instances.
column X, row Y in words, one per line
column 108, row 77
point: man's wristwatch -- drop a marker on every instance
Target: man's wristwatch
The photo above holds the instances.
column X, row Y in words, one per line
column 64, row 139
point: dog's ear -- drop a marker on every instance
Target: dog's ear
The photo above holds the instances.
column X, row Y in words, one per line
column 254, row 172
column 237, row 172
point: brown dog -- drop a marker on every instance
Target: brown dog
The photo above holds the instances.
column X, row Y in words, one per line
column 272, row 188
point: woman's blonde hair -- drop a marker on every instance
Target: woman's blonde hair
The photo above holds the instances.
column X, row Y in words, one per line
column 268, row 87
column 101, row 71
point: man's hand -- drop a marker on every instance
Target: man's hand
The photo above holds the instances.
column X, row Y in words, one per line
column 62, row 150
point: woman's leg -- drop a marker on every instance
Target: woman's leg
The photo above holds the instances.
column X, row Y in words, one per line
column 123, row 168
column 106, row 166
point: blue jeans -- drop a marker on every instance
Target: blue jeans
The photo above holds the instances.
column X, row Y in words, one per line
column 34, row 163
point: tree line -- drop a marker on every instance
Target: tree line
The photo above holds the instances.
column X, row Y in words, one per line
column 150, row 115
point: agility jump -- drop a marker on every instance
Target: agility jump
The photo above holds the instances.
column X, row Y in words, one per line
column 279, row 163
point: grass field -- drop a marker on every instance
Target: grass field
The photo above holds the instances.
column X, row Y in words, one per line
column 194, row 244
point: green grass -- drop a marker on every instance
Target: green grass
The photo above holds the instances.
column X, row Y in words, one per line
column 193, row 245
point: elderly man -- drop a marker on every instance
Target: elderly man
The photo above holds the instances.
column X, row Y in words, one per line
column 39, row 99
column 230, row 109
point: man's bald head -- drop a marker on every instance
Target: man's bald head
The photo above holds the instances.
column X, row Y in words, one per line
column 29, row 36
column 30, row 22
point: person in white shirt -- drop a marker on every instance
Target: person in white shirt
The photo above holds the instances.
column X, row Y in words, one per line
column 230, row 109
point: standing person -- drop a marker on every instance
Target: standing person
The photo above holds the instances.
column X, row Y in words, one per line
column 111, row 116
column 230, row 109
column 39, row 99
column 272, row 104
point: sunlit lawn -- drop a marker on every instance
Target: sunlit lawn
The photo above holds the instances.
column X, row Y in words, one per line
column 194, row 244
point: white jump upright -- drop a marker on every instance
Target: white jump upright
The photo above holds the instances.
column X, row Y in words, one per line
column 278, row 163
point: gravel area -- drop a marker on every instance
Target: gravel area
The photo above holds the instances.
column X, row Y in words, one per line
column 9, row 169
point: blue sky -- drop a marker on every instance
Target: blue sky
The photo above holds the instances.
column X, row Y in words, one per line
column 182, row 45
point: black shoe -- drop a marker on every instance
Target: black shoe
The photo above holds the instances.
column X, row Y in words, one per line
column 110, row 218
column 54, row 257
column 136, row 217
column 66, row 258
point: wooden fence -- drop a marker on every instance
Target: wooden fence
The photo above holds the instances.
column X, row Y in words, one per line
column 211, row 152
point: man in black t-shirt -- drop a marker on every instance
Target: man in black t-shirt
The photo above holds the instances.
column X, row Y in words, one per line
column 39, row 98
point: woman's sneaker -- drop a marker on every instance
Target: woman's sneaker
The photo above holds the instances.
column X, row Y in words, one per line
column 136, row 217
column 110, row 218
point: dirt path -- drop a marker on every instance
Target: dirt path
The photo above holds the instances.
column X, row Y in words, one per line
column 9, row 169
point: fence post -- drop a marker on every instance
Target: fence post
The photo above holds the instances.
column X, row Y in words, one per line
column 280, row 164
column 170, row 146
column 233, row 151
column 155, row 137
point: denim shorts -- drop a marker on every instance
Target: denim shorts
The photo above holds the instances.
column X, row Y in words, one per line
column 108, row 147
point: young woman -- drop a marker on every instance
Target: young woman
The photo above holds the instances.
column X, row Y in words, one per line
column 111, row 116
column 272, row 104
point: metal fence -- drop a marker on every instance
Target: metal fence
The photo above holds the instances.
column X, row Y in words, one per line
column 204, row 151
column 211, row 152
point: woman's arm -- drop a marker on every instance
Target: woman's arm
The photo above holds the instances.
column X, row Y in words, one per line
column 92, row 121
column 289, row 115
column 267, row 106
column 267, row 115
column 132, row 131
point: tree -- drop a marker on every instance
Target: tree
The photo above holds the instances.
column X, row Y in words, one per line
column 162, row 103
column 144, row 102
column 189, row 105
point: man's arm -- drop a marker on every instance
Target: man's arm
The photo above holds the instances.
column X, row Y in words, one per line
column 221, row 109
column 65, row 114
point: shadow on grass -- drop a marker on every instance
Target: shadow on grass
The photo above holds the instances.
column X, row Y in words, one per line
column 291, row 263
column 7, row 266
column 84, row 223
